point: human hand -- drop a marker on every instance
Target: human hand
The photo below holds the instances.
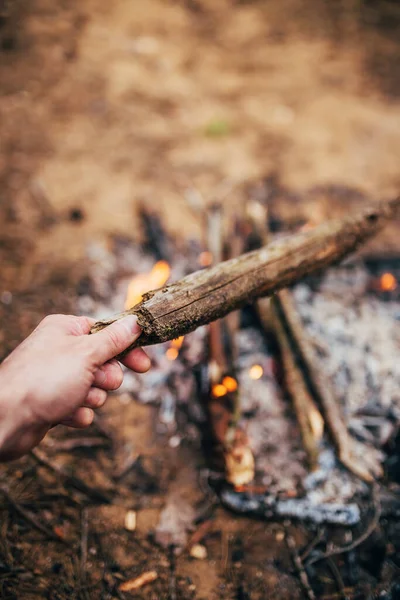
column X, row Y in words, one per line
column 59, row 374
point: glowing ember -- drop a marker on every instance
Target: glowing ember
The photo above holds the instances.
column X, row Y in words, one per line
column 230, row 383
column 172, row 353
column 219, row 390
column 256, row 372
column 388, row 282
column 147, row 281
column 173, row 350
column 205, row 259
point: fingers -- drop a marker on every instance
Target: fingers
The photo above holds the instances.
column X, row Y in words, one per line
column 83, row 416
column 137, row 360
column 70, row 324
column 80, row 419
column 95, row 398
column 109, row 376
column 114, row 339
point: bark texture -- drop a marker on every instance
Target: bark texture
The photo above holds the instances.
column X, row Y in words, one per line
column 210, row 294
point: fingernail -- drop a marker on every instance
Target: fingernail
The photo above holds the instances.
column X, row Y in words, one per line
column 131, row 323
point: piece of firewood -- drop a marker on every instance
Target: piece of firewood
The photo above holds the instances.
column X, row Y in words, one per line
column 271, row 318
column 210, row 294
column 360, row 459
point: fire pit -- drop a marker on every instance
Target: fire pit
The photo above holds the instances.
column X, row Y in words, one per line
column 290, row 408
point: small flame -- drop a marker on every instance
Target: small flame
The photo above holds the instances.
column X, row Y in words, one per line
column 144, row 282
column 205, row 259
column 172, row 353
column 219, row 390
column 230, row 383
column 388, row 282
column 173, row 350
column 256, row 372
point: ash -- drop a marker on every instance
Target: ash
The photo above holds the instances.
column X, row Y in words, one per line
column 357, row 337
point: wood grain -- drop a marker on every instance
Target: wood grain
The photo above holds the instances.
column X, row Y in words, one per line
column 207, row 295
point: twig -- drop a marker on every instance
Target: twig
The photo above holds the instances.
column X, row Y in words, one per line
column 79, row 442
column 72, row 480
column 156, row 237
column 314, row 542
column 336, row 550
column 271, row 316
column 210, row 294
column 30, row 518
column 84, row 541
column 296, row 385
column 339, row 581
column 172, row 593
column 291, row 544
column 323, row 392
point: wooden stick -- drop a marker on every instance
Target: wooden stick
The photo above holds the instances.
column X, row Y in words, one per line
column 271, row 317
column 295, row 385
column 207, row 295
column 366, row 465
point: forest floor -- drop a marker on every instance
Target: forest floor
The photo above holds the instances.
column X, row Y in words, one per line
column 107, row 105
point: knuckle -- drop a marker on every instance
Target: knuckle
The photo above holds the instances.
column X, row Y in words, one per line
column 113, row 341
column 96, row 397
column 49, row 320
column 54, row 320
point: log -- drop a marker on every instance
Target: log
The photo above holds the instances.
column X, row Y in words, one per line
column 210, row 294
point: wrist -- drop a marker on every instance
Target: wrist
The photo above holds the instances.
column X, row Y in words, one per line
column 16, row 421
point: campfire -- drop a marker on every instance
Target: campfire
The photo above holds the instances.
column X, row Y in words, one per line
column 292, row 401
column 241, row 375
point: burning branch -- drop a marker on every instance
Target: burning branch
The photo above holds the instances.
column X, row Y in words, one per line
column 224, row 403
column 207, row 295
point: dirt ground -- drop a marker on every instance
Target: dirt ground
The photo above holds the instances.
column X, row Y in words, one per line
column 106, row 105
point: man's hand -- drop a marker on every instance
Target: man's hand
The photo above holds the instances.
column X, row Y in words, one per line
column 59, row 374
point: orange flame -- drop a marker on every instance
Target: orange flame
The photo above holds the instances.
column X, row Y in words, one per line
column 256, row 372
column 147, row 281
column 173, row 350
column 388, row 282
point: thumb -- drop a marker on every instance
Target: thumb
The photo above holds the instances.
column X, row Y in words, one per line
column 114, row 339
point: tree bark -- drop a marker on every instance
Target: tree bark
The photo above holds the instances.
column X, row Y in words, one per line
column 207, row 295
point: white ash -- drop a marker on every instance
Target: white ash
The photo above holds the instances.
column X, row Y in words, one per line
column 357, row 337
column 268, row 419
column 357, row 342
